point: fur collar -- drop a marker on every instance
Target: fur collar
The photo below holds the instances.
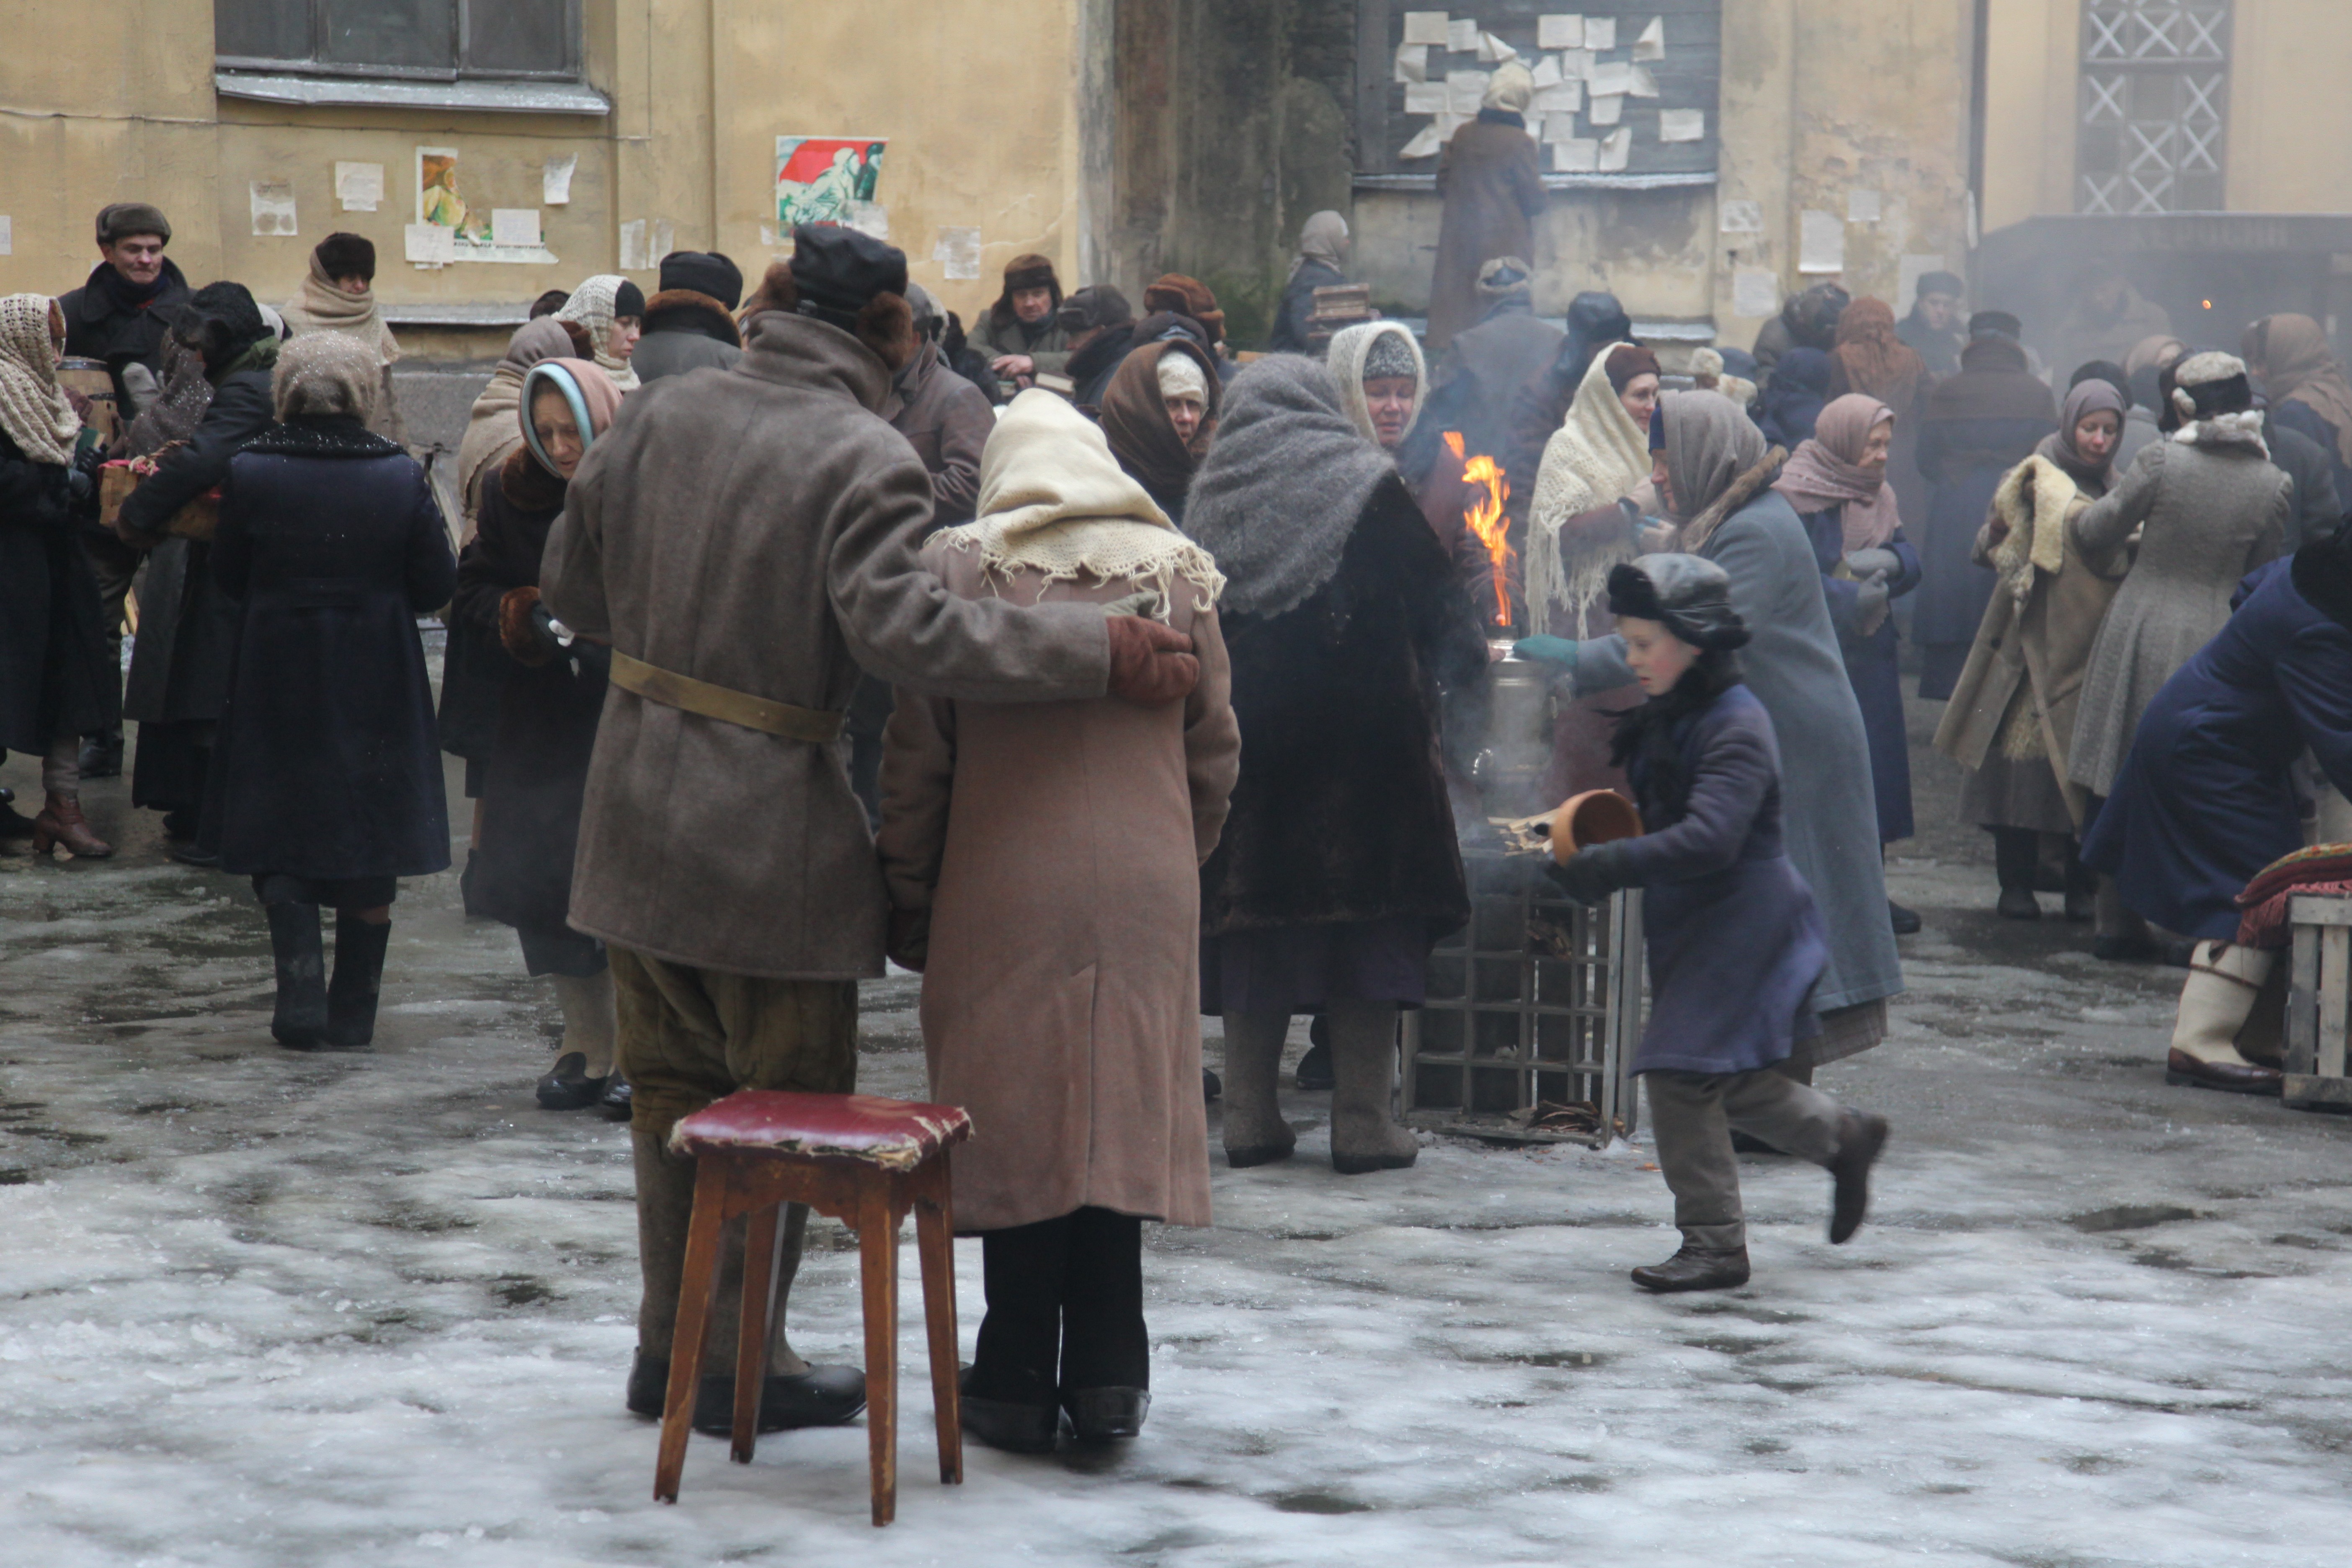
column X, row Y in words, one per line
column 1738, row 493
column 691, row 310
column 322, row 437
column 527, row 484
column 2242, row 430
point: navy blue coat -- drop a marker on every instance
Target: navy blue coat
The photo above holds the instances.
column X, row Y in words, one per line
column 1870, row 664
column 1735, row 941
column 325, row 766
column 1963, row 460
column 2203, row 800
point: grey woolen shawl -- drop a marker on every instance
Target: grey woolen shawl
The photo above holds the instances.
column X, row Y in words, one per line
column 1282, row 486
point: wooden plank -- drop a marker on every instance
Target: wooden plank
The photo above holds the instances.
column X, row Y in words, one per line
column 2305, row 1092
column 2334, row 997
column 2314, row 909
column 2303, row 1002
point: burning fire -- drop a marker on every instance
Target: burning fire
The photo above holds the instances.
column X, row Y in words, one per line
column 1485, row 518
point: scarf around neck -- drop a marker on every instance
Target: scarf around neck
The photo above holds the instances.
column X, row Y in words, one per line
column 321, row 307
column 1822, row 473
column 1135, row 420
column 591, row 305
column 2058, row 448
column 34, row 409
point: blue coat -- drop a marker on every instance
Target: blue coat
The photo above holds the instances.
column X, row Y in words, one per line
column 1963, row 460
column 2203, row 800
column 1870, row 664
column 1734, row 942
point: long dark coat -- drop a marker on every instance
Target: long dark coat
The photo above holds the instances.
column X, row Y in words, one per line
column 324, row 764
column 1979, row 425
column 1341, row 816
column 1870, row 664
column 1734, row 942
column 546, row 724
column 52, row 655
column 1488, row 176
column 2204, row 800
column 98, row 327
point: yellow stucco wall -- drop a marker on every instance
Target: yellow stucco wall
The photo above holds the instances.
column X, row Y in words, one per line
column 116, row 102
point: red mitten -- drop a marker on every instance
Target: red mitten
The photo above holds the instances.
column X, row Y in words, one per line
column 1150, row 663
column 518, row 628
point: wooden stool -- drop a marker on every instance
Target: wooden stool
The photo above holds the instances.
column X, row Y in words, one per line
column 2319, row 1003
column 864, row 1161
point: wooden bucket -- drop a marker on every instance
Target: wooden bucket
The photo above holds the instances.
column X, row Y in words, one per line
column 1596, row 816
column 91, row 378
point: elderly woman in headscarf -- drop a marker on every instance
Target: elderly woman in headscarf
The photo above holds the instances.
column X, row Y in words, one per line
column 52, row 656
column 1714, row 473
column 1792, row 400
column 1979, row 425
column 2207, row 508
column 1735, row 941
column 327, row 780
column 2290, row 357
column 1056, row 926
column 551, row 693
column 2011, row 715
column 613, row 310
column 1490, row 181
column 1340, row 866
column 1160, row 412
column 493, row 427
column 1872, row 358
column 1322, row 246
column 339, row 295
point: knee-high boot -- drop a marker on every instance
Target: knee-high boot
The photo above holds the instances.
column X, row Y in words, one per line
column 2225, row 979
column 298, row 953
column 359, row 976
column 1255, row 1134
column 1364, row 1135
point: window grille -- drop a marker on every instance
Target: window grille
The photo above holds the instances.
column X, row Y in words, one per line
column 2154, row 104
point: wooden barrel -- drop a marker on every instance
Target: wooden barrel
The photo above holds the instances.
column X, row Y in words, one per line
column 91, row 378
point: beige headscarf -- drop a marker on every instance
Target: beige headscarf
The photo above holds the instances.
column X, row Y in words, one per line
column 34, row 409
column 591, row 305
column 1598, row 454
column 1512, row 87
column 1352, row 349
column 325, row 374
column 1055, row 502
column 1324, row 238
column 492, row 433
column 321, row 307
column 2290, row 353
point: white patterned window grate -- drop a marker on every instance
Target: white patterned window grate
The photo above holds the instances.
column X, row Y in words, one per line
column 2153, row 104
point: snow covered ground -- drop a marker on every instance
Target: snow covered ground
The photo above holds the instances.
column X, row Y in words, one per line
column 265, row 1310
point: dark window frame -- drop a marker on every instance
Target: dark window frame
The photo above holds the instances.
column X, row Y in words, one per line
column 575, row 70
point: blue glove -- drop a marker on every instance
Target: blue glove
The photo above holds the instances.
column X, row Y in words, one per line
column 1561, row 651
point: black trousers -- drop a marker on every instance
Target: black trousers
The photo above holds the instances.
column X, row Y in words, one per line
column 1065, row 1307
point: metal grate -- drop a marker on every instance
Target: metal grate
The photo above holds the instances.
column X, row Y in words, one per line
column 1536, row 999
column 2154, row 101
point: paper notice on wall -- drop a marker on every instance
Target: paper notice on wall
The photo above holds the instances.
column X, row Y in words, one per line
column 1755, row 292
column 555, row 180
column 1645, row 84
column 1682, row 125
column 1425, row 27
column 661, row 239
column 1559, row 30
column 866, row 218
column 1739, row 216
column 1493, row 51
column 1464, row 91
column 1546, row 71
column 1581, row 155
column 1533, row 125
column 1862, row 206
column 273, row 208
column 7, row 236
column 632, row 246
column 1462, row 34
column 1821, row 242
column 429, row 244
column 514, row 226
column 958, row 251
column 1426, row 98
column 1412, row 63
column 1914, row 265
column 1600, row 32
column 1425, row 143
column 1568, row 98
column 1617, row 149
column 1651, row 43
column 1606, row 111
column 359, row 187
column 1610, row 79
column 1576, row 65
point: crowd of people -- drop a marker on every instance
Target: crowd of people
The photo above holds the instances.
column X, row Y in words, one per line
column 1110, row 677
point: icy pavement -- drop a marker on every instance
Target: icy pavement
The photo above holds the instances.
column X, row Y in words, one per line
column 267, row 1311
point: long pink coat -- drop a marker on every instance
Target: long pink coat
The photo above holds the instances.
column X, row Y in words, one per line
column 1057, row 847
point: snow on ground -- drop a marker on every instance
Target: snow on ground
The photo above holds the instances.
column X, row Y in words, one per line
column 267, row 1311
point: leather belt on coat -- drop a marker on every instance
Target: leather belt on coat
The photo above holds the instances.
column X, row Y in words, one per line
column 815, row 725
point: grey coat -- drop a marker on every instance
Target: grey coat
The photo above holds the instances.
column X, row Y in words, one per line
column 1794, row 667
column 759, row 528
column 2208, row 514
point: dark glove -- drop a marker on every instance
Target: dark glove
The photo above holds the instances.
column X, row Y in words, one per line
column 909, row 941
column 1591, row 874
column 1150, row 663
column 1869, row 606
column 522, row 628
column 79, row 486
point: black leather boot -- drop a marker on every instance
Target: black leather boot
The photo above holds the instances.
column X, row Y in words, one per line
column 1016, row 1426
column 359, row 975
column 299, row 955
column 2017, row 862
column 1695, row 1269
column 1106, row 1414
column 821, row 1396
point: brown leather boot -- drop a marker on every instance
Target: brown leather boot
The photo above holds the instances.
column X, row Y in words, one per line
column 61, row 821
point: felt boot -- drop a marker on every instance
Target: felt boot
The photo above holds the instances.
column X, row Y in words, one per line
column 299, row 955
column 359, row 975
column 1364, row 1135
column 2016, row 860
column 2225, row 979
column 1254, row 1131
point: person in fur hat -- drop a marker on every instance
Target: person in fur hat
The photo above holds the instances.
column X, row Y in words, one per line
column 690, row 320
column 339, row 295
column 744, row 542
column 1022, row 336
column 1735, row 945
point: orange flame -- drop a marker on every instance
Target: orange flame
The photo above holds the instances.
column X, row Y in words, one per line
column 1485, row 518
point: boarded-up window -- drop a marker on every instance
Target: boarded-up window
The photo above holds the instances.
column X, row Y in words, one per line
column 2155, row 100
column 1625, row 94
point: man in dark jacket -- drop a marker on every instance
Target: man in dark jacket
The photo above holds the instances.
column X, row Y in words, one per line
column 179, row 675
column 691, row 322
column 1021, row 333
column 1932, row 329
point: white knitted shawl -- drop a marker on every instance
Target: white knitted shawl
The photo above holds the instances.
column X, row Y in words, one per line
column 1596, row 457
column 32, row 407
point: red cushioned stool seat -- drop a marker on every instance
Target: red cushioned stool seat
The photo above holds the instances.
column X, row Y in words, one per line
column 865, row 1161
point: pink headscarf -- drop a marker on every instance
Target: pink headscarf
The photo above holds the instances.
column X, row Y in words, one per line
column 594, row 396
column 1822, row 472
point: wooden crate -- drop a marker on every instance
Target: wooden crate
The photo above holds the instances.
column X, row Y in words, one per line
column 2319, row 1005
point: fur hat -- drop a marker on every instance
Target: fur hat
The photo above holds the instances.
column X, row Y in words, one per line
column 705, row 273
column 2210, row 384
column 1031, row 270
column 324, row 375
column 1689, row 594
column 1187, row 296
column 123, row 219
column 347, row 255
column 1995, row 324
column 218, row 322
column 885, row 322
column 1099, row 305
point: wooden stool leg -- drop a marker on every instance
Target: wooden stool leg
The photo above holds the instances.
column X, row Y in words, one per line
column 935, row 1240
column 700, row 1283
column 878, row 1246
column 758, row 1306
